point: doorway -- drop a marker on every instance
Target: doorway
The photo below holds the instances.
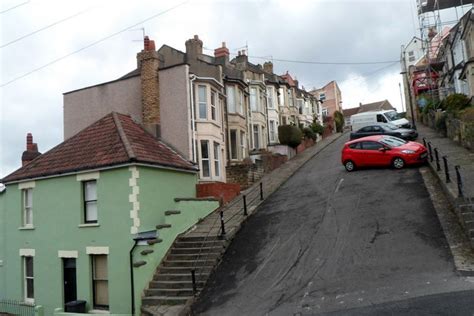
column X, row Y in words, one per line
column 69, row 277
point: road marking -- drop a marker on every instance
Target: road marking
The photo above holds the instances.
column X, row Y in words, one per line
column 338, row 185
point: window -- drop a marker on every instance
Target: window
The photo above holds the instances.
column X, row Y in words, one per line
column 411, row 59
column 213, row 106
column 242, row 144
column 355, row 146
column 272, row 131
column 240, row 102
column 322, row 96
column 290, row 97
column 216, row 158
column 366, row 129
column 271, row 97
column 90, row 201
column 253, row 99
column 256, row 137
column 27, row 207
column 281, row 97
column 325, row 112
column 28, row 273
column 299, row 104
column 202, row 94
column 233, row 144
column 100, row 282
column 371, row 145
column 411, row 53
column 231, row 99
column 205, row 167
column 381, row 118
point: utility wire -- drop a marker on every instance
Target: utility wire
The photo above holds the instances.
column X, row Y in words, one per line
column 44, row 28
column 14, row 7
column 92, row 44
column 319, row 62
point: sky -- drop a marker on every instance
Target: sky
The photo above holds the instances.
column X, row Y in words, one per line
column 48, row 47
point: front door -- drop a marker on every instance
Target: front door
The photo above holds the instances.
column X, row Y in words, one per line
column 69, row 277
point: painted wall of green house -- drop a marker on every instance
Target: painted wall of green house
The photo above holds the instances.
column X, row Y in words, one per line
column 57, row 209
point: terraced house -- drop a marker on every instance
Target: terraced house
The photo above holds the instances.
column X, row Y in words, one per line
column 92, row 218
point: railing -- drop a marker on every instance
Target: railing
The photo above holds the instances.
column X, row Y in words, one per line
column 447, row 175
column 13, row 307
column 233, row 211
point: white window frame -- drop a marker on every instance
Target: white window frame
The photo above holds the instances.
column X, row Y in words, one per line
column 322, row 96
column 254, row 96
column 242, row 144
column 230, row 99
column 256, row 138
column 27, row 206
column 94, row 279
column 26, row 278
column 214, row 113
column 240, row 101
column 233, row 149
column 270, row 97
column 202, row 160
column 272, row 130
column 89, row 201
column 217, row 164
column 202, row 104
column 325, row 112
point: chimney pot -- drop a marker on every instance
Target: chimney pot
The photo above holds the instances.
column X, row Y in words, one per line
column 31, row 151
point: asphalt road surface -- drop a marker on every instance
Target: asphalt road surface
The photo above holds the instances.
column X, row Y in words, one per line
column 338, row 243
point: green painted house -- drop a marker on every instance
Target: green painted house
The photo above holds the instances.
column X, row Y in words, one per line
column 75, row 221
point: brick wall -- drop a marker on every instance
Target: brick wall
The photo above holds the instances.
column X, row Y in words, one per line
column 223, row 191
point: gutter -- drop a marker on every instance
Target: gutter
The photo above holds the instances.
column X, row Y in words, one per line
column 193, row 118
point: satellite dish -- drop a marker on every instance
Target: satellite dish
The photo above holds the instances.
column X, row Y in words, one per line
column 2, row 187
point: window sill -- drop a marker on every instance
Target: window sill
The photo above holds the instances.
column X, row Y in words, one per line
column 88, row 225
column 26, row 228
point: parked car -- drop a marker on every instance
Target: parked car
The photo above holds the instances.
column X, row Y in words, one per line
column 363, row 119
column 385, row 129
column 382, row 150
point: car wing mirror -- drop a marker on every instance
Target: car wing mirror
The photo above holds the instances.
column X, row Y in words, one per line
column 383, row 149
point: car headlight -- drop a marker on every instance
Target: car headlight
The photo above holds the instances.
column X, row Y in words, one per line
column 408, row 151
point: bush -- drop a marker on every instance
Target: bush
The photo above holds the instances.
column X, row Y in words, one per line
column 339, row 120
column 467, row 115
column 456, row 102
column 317, row 128
column 289, row 135
column 309, row 133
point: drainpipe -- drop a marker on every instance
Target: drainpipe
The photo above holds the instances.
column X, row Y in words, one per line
column 132, row 287
column 193, row 118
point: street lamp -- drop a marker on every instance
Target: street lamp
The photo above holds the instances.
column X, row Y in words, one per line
column 405, row 79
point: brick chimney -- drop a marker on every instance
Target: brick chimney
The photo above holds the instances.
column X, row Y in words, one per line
column 31, row 151
column 193, row 48
column 148, row 62
column 268, row 67
column 241, row 60
column 222, row 54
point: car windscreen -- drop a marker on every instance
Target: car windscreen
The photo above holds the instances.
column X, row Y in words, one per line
column 392, row 115
column 392, row 141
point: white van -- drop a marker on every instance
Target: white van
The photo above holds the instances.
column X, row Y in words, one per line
column 368, row 118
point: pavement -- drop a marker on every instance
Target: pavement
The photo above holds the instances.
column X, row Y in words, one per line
column 328, row 241
column 456, row 155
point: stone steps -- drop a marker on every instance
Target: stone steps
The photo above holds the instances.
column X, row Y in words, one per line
column 174, row 284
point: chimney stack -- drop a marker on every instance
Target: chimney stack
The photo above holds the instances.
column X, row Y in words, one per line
column 222, row 54
column 31, row 151
column 268, row 67
column 193, row 48
column 148, row 62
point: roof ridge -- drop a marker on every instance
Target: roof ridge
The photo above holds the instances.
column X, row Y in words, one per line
column 123, row 137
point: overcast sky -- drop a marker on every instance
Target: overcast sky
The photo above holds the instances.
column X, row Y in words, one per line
column 322, row 31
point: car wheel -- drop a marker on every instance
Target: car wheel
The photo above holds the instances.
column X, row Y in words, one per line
column 398, row 163
column 349, row 165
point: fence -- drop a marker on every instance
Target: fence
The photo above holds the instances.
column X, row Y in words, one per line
column 13, row 307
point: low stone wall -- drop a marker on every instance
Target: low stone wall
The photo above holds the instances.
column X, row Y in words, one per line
column 306, row 143
column 461, row 132
column 245, row 174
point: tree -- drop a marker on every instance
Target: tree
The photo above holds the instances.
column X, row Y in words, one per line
column 339, row 120
column 289, row 135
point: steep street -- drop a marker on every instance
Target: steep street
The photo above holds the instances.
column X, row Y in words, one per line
column 329, row 241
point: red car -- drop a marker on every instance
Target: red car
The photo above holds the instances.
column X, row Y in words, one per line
column 382, row 150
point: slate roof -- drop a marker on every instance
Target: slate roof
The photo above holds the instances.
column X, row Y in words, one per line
column 375, row 106
column 113, row 140
column 350, row 112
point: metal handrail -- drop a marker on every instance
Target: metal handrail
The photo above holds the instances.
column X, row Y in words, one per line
column 240, row 211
